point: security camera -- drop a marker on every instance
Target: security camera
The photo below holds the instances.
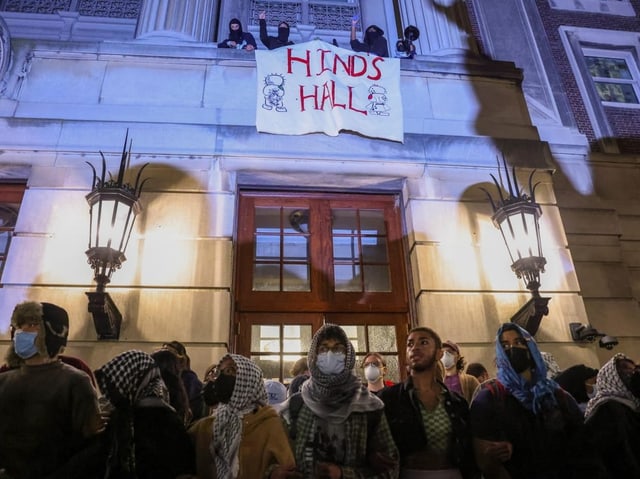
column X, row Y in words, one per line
column 608, row 342
column 584, row 333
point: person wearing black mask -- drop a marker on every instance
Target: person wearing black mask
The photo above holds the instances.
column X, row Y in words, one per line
column 274, row 42
column 374, row 40
column 613, row 416
column 245, row 438
column 524, row 424
column 237, row 38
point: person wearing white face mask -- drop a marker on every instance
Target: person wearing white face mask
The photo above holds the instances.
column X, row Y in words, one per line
column 375, row 370
column 455, row 379
column 336, row 425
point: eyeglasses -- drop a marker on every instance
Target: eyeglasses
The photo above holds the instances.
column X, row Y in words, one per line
column 337, row 349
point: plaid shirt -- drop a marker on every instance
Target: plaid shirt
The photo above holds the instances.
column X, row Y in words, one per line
column 362, row 455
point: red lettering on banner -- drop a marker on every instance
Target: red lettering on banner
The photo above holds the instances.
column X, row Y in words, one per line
column 327, row 98
column 352, row 66
column 374, row 64
column 303, row 97
column 305, row 61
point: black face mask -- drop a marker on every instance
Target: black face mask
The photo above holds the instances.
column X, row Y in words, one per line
column 218, row 391
column 634, row 384
column 519, row 358
column 283, row 34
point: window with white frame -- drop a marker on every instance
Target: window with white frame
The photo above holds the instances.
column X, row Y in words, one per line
column 606, row 7
column 615, row 76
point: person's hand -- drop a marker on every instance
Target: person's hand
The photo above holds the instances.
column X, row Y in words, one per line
column 285, row 472
column 354, row 20
column 262, row 15
column 249, row 48
column 327, row 470
column 498, row 450
column 231, row 44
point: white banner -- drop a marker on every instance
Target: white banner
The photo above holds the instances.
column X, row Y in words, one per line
column 317, row 87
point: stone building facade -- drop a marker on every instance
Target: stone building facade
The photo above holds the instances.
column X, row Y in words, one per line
column 388, row 235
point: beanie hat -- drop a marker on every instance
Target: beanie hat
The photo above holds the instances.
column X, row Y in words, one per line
column 54, row 325
column 451, row 345
column 276, row 391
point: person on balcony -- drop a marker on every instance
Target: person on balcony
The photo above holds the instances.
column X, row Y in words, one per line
column 374, row 40
column 237, row 38
column 270, row 42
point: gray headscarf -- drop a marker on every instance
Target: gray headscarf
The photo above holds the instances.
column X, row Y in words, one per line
column 335, row 396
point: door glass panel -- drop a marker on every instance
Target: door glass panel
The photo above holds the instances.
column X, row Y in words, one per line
column 296, row 277
column 372, row 222
column 297, row 220
column 360, row 251
column 270, row 366
column 267, row 247
column 289, row 342
column 267, row 219
column 347, row 278
column 266, row 277
column 377, row 279
column 346, row 249
column 382, row 339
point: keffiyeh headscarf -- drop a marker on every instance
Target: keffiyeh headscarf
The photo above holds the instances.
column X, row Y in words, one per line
column 126, row 380
column 130, row 377
column 335, row 396
column 248, row 394
column 537, row 395
column 611, row 387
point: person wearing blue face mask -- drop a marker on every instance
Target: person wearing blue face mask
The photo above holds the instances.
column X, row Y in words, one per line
column 48, row 409
column 336, row 425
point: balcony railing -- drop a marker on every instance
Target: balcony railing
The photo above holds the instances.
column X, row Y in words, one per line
column 90, row 8
column 325, row 15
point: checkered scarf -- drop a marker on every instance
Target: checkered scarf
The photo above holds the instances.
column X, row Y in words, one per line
column 335, row 396
column 537, row 395
column 248, row 394
column 130, row 377
column 610, row 387
column 126, row 380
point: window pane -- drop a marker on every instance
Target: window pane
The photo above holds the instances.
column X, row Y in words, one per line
column 296, row 277
column 344, row 221
column 346, row 248
column 296, row 248
column 347, row 277
column 267, row 247
column 267, row 220
column 616, row 92
column 382, row 339
column 266, row 277
column 265, row 339
column 602, row 67
column 374, row 250
column 4, row 241
column 377, row 278
column 372, row 222
column 270, row 365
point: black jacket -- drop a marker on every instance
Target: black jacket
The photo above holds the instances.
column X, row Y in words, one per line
column 405, row 421
column 273, row 42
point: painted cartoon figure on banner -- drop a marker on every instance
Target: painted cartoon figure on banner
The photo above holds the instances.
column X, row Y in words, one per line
column 273, row 92
column 378, row 101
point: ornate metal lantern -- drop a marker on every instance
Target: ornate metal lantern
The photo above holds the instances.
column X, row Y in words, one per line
column 113, row 207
